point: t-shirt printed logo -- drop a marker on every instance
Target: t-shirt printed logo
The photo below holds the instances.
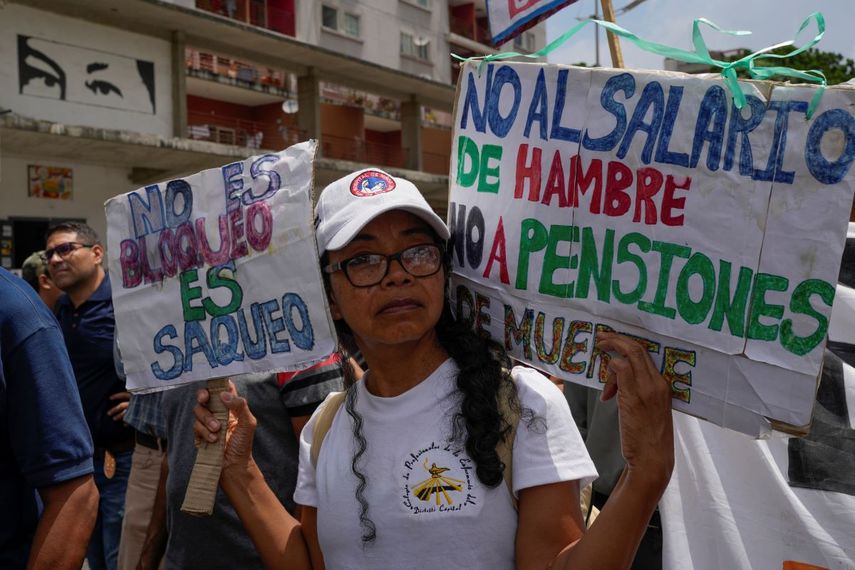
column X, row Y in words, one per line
column 371, row 183
column 438, row 478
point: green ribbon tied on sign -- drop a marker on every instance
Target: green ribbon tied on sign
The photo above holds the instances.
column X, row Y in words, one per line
column 701, row 54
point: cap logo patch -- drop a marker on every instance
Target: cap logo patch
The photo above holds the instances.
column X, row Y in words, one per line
column 371, row 183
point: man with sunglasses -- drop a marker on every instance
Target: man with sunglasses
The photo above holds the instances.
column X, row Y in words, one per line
column 74, row 254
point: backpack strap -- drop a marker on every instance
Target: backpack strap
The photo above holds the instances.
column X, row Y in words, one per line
column 505, row 447
column 325, row 418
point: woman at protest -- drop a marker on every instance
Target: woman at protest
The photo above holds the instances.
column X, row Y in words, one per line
column 411, row 470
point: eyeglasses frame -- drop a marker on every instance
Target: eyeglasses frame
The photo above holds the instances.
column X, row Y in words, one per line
column 342, row 265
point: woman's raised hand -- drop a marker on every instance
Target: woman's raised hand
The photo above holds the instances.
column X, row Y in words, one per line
column 644, row 408
column 238, row 433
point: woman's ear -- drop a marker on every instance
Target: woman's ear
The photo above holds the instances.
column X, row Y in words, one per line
column 334, row 310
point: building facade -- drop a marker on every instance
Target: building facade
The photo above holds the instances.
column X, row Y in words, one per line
column 99, row 97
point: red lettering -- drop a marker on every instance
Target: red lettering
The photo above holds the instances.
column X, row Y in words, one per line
column 498, row 253
column 555, row 183
column 582, row 180
column 669, row 202
column 648, row 184
column 530, row 172
column 618, row 179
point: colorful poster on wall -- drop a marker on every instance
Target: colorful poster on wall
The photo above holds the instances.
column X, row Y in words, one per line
column 510, row 18
column 217, row 274
column 52, row 182
column 644, row 202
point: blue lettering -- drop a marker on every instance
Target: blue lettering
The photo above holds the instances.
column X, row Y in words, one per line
column 479, row 114
column 498, row 124
column 233, row 181
column 663, row 155
column 651, row 96
column 303, row 337
column 559, row 132
column 740, row 124
column 225, row 351
column 196, row 341
column 709, row 127
column 257, row 170
column 622, row 82
column 147, row 214
column 257, row 348
column 173, row 189
column 538, row 109
column 822, row 169
column 274, row 326
column 177, row 357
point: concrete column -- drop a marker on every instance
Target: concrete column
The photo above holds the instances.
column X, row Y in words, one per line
column 309, row 106
column 411, row 132
column 179, row 86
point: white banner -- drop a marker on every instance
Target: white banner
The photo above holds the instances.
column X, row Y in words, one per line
column 776, row 504
column 217, row 274
column 646, row 202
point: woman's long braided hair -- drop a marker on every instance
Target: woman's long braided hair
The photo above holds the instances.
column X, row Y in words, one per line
column 484, row 373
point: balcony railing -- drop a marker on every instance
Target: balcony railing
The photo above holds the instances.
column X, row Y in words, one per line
column 241, row 132
column 359, row 150
column 253, row 12
column 200, row 63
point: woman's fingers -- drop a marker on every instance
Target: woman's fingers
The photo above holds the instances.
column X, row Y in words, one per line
column 206, row 427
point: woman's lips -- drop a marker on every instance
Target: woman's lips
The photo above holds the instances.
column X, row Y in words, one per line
column 399, row 305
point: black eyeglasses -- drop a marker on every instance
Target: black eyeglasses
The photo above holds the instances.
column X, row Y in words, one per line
column 369, row 269
column 64, row 249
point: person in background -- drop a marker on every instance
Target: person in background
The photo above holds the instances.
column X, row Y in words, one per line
column 48, row 498
column 145, row 416
column 287, row 400
column 85, row 312
column 34, row 272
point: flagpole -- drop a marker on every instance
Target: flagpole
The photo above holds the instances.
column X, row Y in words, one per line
column 614, row 42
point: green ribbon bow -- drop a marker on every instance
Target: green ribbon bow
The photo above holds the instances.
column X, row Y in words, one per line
column 701, row 54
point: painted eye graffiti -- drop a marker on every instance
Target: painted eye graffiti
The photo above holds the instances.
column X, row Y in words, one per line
column 103, row 87
column 97, row 85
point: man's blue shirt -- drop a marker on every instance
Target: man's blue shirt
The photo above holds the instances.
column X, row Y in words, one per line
column 88, row 331
column 44, row 439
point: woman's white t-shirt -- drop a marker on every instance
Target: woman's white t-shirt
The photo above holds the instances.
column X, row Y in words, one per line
column 428, row 506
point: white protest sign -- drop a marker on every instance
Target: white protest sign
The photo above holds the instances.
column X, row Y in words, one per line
column 645, row 202
column 509, row 18
column 217, row 273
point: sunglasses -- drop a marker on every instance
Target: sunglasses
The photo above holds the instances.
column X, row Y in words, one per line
column 64, row 249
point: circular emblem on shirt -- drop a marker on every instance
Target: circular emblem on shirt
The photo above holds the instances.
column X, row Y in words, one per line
column 371, row 183
column 438, row 478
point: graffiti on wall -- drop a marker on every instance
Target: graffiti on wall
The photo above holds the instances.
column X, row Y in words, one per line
column 66, row 72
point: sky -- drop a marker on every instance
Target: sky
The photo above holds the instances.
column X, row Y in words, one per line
column 670, row 22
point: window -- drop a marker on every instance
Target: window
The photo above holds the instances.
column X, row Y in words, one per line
column 329, row 17
column 351, row 25
column 348, row 25
column 524, row 41
column 417, row 47
column 423, row 3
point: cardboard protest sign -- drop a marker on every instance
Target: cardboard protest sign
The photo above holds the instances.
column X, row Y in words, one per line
column 509, row 18
column 217, row 273
column 645, row 202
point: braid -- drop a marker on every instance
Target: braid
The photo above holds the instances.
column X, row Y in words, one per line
column 484, row 373
column 369, row 530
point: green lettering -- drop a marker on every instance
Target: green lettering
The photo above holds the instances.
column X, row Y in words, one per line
column 589, row 268
column 533, row 237
column 490, row 152
column 694, row 312
column 759, row 308
column 624, row 255
column 667, row 253
column 553, row 262
column 800, row 305
column 732, row 308
column 466, row 148
column 189, row 293
column 216, row 280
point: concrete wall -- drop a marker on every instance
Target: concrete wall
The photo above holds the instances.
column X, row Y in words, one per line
column 92, row 186
column 74, row 72
column 381, row 22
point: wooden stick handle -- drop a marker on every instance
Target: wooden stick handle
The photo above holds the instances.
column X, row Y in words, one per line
column 205, row 477
column 614, row 41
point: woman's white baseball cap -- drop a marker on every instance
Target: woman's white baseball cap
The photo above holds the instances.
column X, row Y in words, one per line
column 350, row 203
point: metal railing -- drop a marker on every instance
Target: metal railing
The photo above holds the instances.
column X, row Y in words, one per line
column 359, row 150
column 253, row 12
column 208, row 63
column 235, row 131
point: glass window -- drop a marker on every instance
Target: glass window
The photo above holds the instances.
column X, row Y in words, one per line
column 329, row 17
column 423, row 3
column 423, row 50
column 351, row 25
column 407, row 47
